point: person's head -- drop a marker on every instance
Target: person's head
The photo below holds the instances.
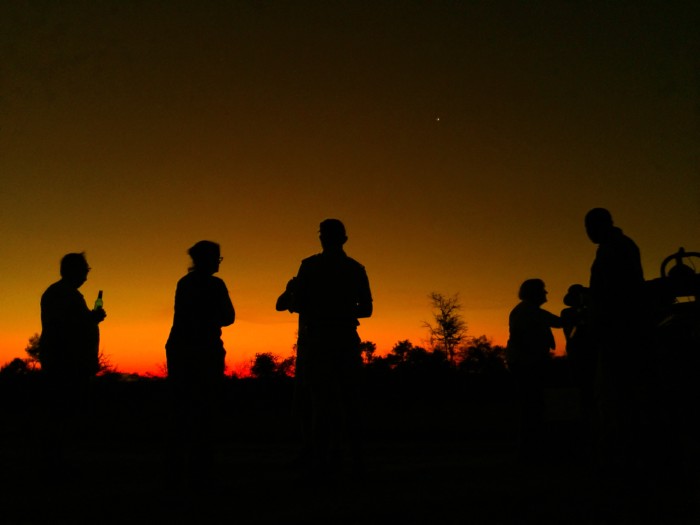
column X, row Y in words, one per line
column 332, row 234
column 574, row 295
column 599, row 224
column 74, row 269
column 206, row 256
column 533, row 291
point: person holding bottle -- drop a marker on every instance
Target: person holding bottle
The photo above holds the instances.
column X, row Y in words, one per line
column 70, row 334
column 68, row 354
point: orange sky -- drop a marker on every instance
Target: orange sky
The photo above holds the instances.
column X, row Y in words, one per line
column 460, row 144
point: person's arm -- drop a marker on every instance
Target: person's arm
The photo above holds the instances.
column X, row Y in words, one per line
column 301, row 289
column 286, row 300
column 553, row 321
column 226, row 311
column 364, row 306
column 98, row 315
column 568, row 321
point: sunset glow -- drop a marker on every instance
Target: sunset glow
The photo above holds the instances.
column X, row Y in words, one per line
column 131, row 131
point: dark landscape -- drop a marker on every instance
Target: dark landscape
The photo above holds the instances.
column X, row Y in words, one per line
column 440, row 450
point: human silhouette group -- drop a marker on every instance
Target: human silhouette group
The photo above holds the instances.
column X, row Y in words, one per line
column 608, row 328
column 605, row 323
column 330, row 293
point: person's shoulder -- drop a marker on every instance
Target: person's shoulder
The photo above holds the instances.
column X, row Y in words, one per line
column 48, row 295
column 189, row 282
column 321, row 260
column 517, row 314
column 568, row 312
column 200, row 279
column 57, row 288
column 619, row 238
column 61, row 295
column 54, row 287
column 629, row 242
column 218, row 282
column 312, row 259
column 525, row 309
column 182, row 281
column 518, row 308
column 355, row 264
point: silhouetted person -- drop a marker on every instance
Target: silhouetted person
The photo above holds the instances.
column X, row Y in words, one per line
column 330, row 293
column 528, row 356
column 196, row 355
column 621, row 330
column 581, row 351
column 302, row 401
column 68, row 351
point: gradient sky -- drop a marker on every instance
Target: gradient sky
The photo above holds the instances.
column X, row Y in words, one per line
column 460, row 142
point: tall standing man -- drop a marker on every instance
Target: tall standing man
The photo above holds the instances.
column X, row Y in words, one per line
column 620, row 324
column 330, row 292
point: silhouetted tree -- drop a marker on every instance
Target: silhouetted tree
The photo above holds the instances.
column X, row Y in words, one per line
column 367, row 349
column 16, row 367
column 105, row 365
column 420, row 358
column 265, row 365
column 449, row 328
column 32, row 351
column 269, row 364
column 479, row 355
column 161, row 369
column 405, row 355
column 399, row 353
column 287, row 366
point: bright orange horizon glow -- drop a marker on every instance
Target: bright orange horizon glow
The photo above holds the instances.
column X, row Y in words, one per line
column 138, row 346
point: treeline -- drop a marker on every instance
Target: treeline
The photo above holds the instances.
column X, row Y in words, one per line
column 449, row 351
column 477, row 356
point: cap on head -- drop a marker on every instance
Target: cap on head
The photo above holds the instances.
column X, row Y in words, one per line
column 333, row 231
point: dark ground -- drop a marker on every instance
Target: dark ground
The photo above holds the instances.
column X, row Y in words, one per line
column 434, row 455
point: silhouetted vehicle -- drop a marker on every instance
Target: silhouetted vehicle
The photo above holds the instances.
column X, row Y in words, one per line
column 676, row 293
column 674, row 298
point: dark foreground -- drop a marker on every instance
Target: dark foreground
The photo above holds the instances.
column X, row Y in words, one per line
column 433, row 457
